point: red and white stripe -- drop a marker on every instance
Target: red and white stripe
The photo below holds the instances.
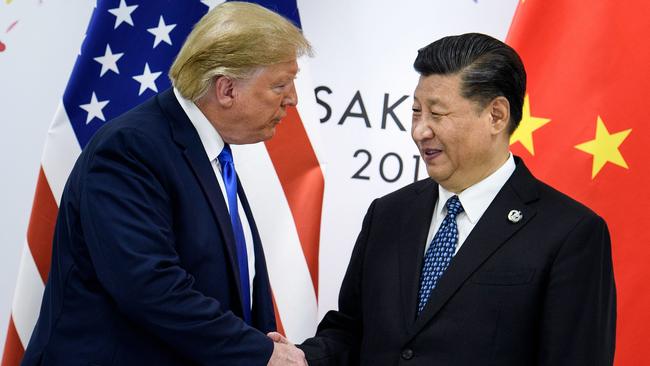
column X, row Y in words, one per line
column 284, row 184
column 61, row 151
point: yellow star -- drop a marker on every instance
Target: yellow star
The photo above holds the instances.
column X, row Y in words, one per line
column 528, row 124
column 604, row 147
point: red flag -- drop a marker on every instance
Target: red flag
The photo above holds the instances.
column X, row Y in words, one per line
column 585, row 128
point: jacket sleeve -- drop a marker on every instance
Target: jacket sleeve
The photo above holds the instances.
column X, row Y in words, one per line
column 126, row 218
column 578, row 319
column 338, row 337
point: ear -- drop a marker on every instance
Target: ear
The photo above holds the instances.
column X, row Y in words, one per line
column 499, row 109
column 224, row 91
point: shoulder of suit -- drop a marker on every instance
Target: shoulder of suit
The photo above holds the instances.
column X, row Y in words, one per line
column 143, row 122
column 411, row 190
column 545, row 198
column 552, row 199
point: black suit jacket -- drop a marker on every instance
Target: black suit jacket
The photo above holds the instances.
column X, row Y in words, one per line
column 536, row 292
column 144, row 268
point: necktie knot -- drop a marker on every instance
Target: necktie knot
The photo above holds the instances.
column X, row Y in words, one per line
column 225, row 156
column 454, row 207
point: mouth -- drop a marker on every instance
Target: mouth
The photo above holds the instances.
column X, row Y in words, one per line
column 429, row 154
column 277, row 120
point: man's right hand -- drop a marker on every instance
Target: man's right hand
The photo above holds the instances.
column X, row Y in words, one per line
column 286, row 355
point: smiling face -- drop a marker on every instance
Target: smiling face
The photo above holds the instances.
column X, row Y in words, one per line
column 460, row 141
column 247, row 111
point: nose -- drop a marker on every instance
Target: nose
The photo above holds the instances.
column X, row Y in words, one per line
column 421, row 130
column 291, row 97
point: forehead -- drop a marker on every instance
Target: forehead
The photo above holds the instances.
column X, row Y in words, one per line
column 282, row 70
column 438, row 89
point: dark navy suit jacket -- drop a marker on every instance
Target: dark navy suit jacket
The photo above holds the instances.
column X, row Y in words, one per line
column 535, row 292
column 144, row 268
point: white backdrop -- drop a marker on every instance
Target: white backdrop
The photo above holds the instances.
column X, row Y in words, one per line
column 362, row 72
column 40, row 51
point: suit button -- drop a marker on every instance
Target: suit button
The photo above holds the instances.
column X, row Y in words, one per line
column 407, row 354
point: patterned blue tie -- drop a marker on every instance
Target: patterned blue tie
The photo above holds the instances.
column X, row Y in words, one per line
column 230, row 181
column 440, row 252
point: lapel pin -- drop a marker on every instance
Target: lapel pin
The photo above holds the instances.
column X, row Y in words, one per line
column 515, row 216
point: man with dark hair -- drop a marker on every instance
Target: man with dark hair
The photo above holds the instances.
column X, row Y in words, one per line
column 482, row 264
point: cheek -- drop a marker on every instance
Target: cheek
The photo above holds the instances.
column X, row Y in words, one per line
column 414, row 131
column 268, row 106
column 457, row 144
column 482, row 141
column 269, row 98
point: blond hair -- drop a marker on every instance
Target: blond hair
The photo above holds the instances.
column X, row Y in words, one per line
column 234, row 39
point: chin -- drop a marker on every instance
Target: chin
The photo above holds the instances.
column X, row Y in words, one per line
column 436, row 174
column 269, row 133
column 261, row 138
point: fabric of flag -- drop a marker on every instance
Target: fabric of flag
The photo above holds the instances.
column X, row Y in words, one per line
column 124, row 60
column 585, row 131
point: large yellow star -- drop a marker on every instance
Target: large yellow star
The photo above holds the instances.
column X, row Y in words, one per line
column 604, row 147
column 528, row 125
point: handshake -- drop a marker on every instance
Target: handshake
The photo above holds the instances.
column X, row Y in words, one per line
column 284, row 352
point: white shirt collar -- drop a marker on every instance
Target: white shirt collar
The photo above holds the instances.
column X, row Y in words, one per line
column 477, row 198
column 210, row 138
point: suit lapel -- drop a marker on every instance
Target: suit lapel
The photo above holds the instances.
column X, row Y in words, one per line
column 415, row 228
column 262, row 311
column 490, row 233
column 186, row 136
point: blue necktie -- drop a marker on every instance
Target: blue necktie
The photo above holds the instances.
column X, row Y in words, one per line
column 230, row 181
column 440, row 252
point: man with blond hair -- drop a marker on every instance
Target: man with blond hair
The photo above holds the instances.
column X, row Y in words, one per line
column 156, row 256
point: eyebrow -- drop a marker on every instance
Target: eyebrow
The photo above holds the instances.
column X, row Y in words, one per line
column 291, row 75
column 431, row 101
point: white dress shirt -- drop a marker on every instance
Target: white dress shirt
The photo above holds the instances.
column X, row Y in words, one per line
column 475, row 201
column 213, row 144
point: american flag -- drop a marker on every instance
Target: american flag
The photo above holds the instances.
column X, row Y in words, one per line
column 124, row 60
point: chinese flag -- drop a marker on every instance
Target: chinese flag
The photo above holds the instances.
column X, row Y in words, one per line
column 586, row 131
